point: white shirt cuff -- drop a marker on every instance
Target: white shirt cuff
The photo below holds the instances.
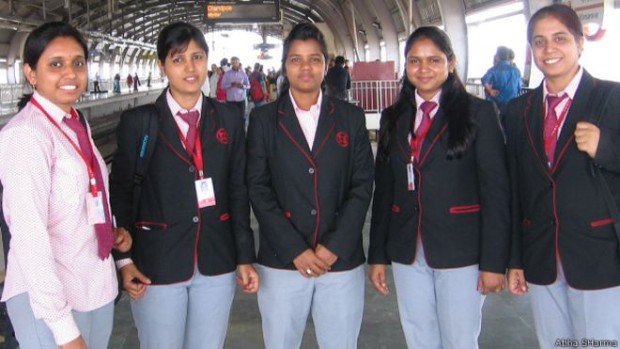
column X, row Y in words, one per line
column 64, row 330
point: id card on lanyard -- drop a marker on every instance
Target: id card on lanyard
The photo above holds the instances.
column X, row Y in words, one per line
column 416, row 145
column 205, row 194
column 94, row 202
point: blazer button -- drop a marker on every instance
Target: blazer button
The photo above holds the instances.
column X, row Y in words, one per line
column 311, row 170
column 195, row 219
column 191, row 169
column 313, row 212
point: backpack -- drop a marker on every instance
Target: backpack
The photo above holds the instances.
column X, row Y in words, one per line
column 149, row 126
column 256, row 90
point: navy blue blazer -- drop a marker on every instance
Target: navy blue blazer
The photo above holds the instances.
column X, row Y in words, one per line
column 304, row 197
column 560, row 212
column 460, row 207
column 171, row 234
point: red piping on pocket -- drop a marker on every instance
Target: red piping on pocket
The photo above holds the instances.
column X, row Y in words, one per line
column 224, row 217
column 601, row 222
column 149, row 224
column 464, row 209
column 395, row 208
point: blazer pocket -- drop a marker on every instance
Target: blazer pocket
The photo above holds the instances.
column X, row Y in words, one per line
column 601, row 222
column 148, row 225
column 464, row 209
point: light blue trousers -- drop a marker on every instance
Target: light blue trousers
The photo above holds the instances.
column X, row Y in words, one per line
column 95, row 326
column 336, row 300
column 191, row 315
column 562, row 312
column 439, row 308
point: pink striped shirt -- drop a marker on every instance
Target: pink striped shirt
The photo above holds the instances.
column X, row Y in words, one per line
column 53, row 249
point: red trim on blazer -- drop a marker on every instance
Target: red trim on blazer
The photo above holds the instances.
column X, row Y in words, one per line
column 562, row 153
column 395, row 208
column 316, row 177
column 464, row 209
column 419, row 232
column 167, row 142
column 287, row 214
column 224, row 216
column 547, row 173
column 601, row 222
column 148, row 224
column 430, row 148
column 331, row 129
column 332, row 107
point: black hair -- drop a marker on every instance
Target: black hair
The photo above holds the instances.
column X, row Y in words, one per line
column 562, row 13
column 339, row 60
column 39, row 39
column 503, row 53
column 302, row 31
column 175, row 38
column 454, row 100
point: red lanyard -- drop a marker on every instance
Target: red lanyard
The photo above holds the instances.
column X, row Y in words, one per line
column 197, row 153
column 417, row 141
column 91, row 173
column 554, row 134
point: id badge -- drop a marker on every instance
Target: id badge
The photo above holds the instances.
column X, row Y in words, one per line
column 96, row 211
column 410, row 177
column 204, row 192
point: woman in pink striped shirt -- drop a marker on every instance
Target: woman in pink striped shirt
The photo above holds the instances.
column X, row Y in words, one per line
column 60, row 281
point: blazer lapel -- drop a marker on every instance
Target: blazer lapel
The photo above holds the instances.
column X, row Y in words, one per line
column 534, row 121
column 578, row 111
column 403, row 131
column 438, row 127
column 208, row 122
column 287, row 121
column 325, row 127
column 168, row 129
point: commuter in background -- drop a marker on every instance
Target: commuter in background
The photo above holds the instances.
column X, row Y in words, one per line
column 191, row 221
column 116, row 88
column 213, row 79
column 236, row 82
column 60, row 279
column 563, row 148
column 441, row 203
column 338, row 80
column 258, row 87
column 96, row 82
column 129, row 81
column 309, row 176
column 502, row 82
column 136, row 82
column 148, row 80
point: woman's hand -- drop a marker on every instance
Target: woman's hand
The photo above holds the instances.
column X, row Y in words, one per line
column 376, row 274
column 247, row 278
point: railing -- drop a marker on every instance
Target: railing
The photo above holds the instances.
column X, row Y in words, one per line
column 375, row 95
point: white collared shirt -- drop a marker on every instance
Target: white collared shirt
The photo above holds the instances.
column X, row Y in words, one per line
column 308, row 119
